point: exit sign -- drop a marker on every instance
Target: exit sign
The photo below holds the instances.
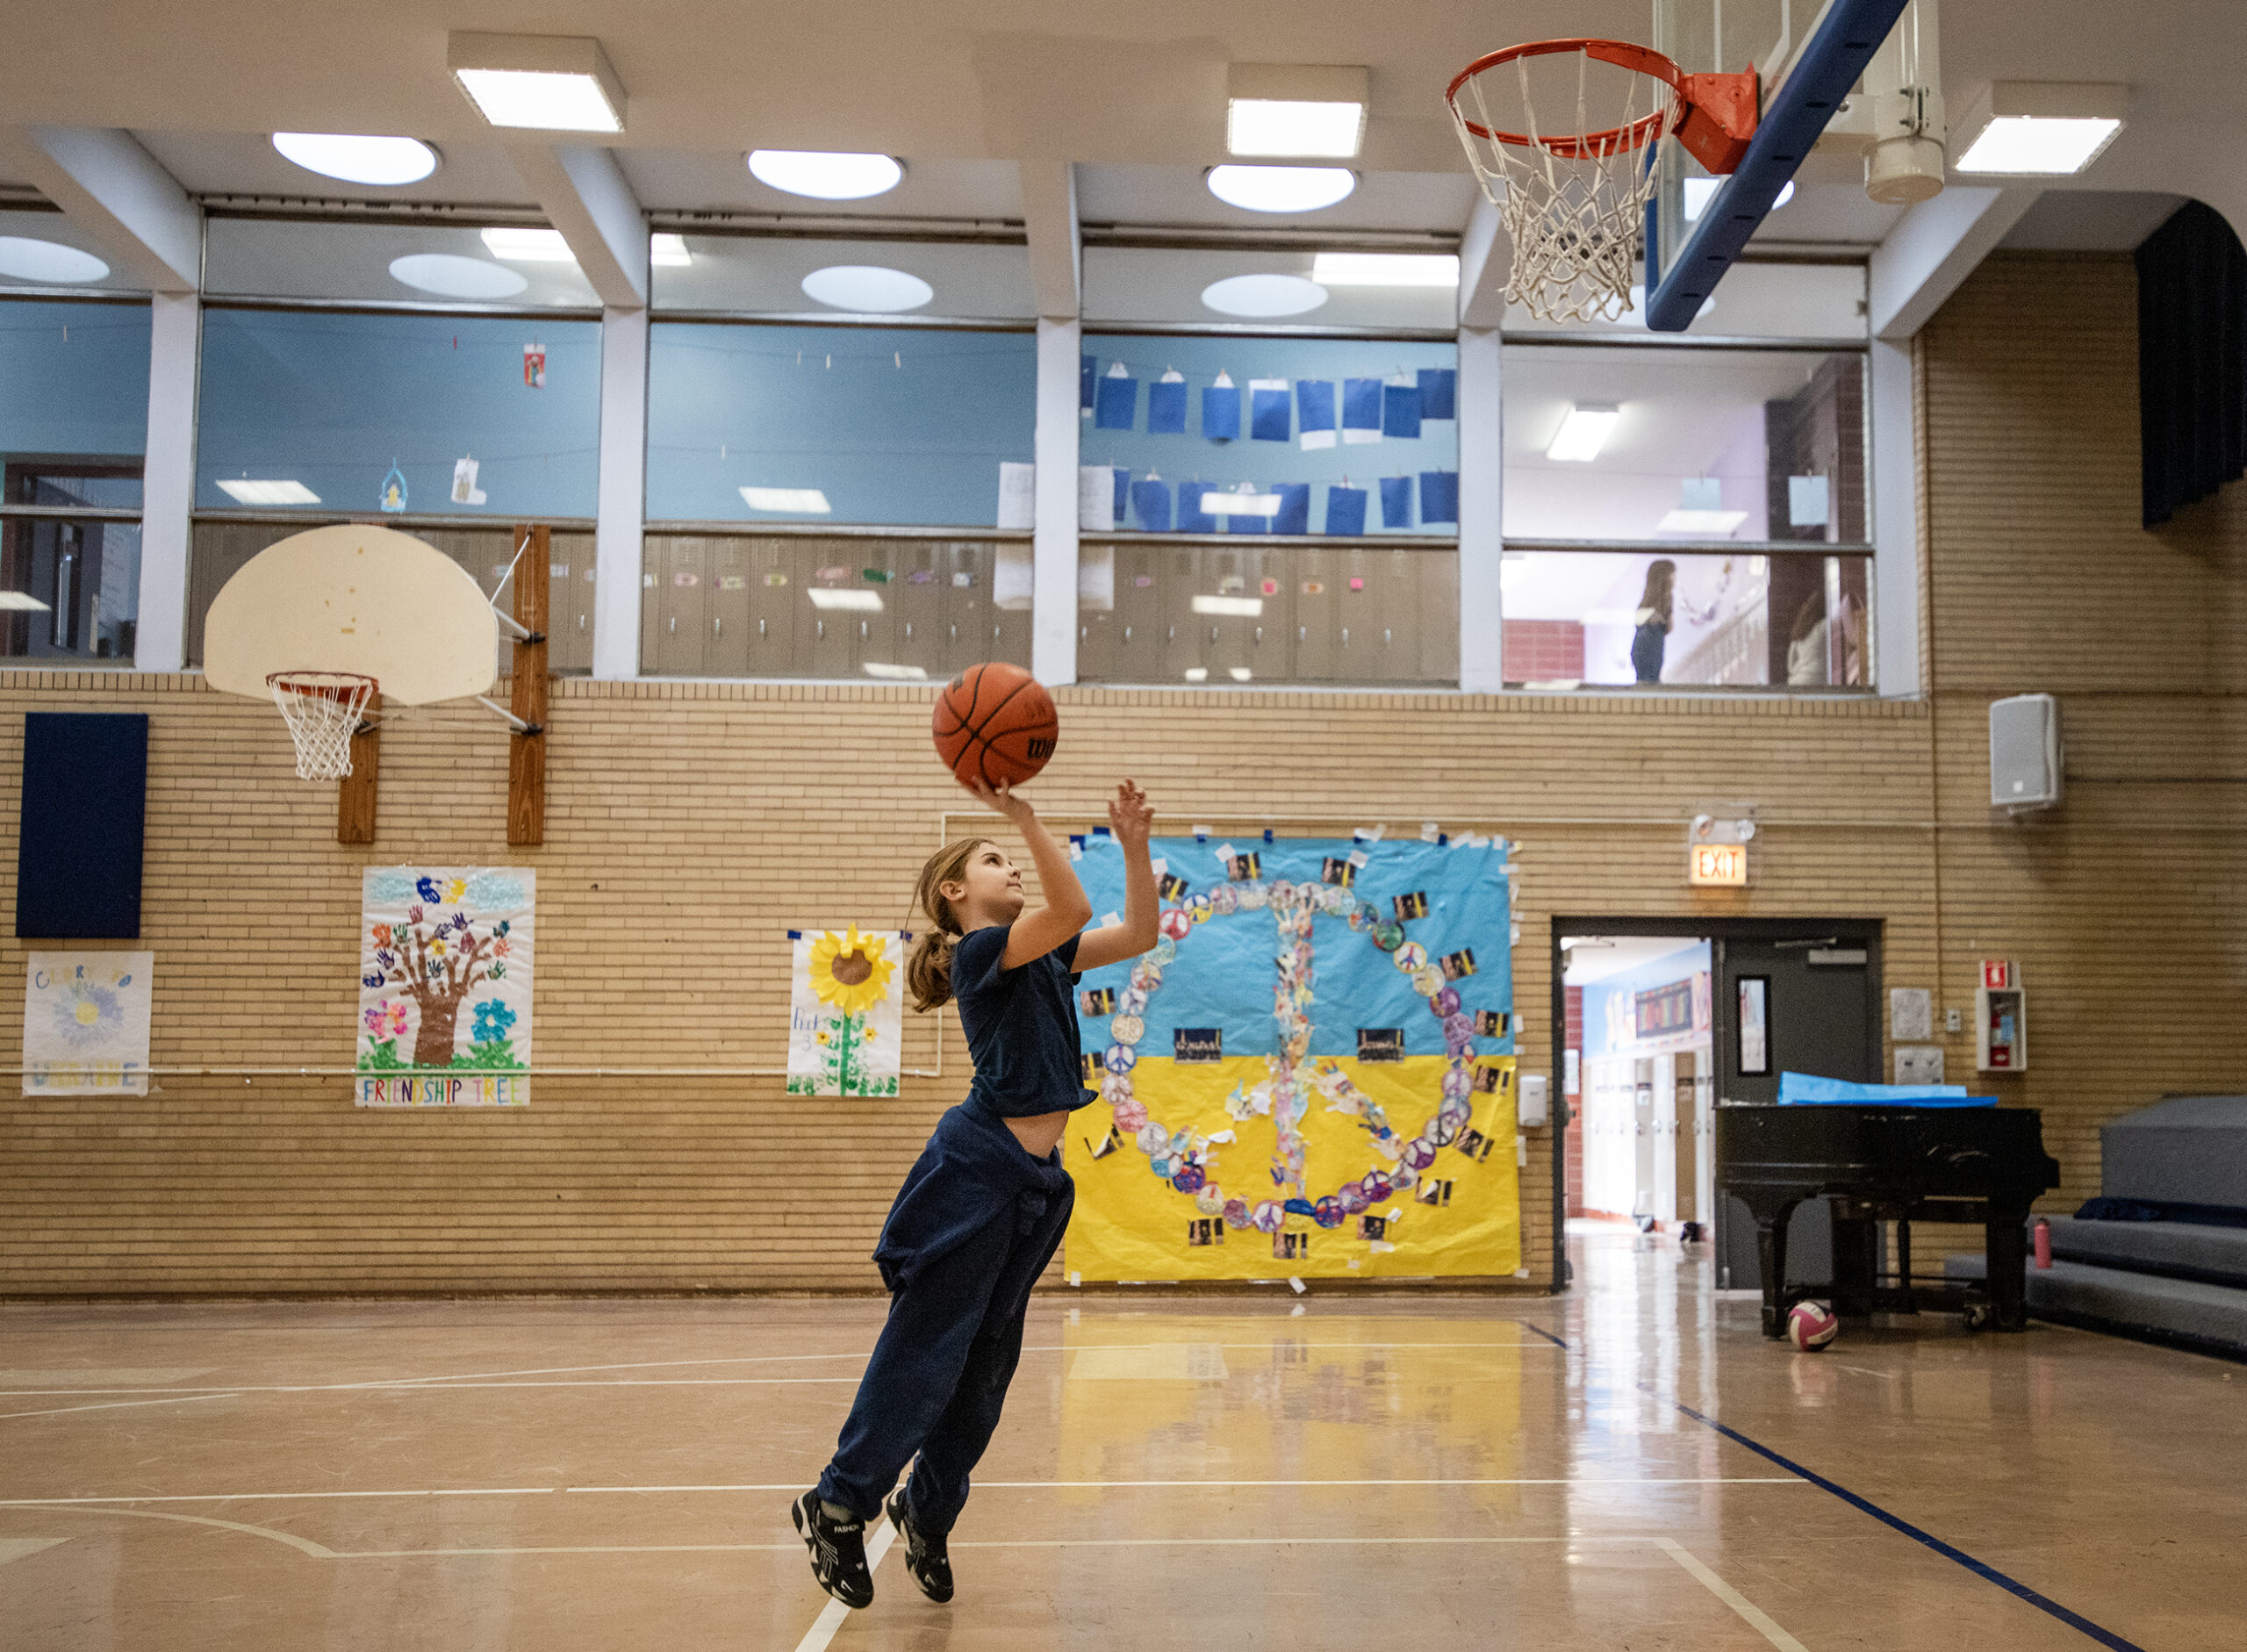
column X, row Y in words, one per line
column 1717, row 865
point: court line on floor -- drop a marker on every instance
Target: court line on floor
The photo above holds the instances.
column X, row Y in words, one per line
column 831, row 1615
column 122, row 1404
column 1748, row 1611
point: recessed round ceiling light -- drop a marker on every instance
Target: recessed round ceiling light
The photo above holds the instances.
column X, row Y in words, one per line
column 867, row 288
column 450, row 275
column 357, row 159
column 1281, row 189
column 829, row 175
column 48, row 262
column 1263, row 295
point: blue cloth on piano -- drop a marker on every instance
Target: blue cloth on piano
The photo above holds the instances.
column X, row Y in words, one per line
column 1803, row 1089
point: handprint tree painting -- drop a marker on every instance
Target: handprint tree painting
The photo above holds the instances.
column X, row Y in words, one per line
column 444, row 986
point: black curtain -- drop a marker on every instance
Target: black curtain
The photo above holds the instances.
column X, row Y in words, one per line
column 2192, row 359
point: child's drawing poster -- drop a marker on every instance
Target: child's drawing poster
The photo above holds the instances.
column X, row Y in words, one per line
column 86, row 1023
column 846, row 1011
column 1310, row 1075
column 444, row 986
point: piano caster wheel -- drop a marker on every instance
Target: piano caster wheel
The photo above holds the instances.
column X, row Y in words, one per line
column 1980, row 1317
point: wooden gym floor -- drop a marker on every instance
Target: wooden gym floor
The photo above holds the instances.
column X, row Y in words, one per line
column 1631, row 1467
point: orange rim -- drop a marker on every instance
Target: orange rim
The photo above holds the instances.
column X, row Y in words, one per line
column 1642, row 59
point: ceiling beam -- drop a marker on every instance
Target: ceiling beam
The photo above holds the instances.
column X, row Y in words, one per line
column 1485, row 261
column 1932, row 250
column 585, row 195
column 116, row 191
column 1049, row 211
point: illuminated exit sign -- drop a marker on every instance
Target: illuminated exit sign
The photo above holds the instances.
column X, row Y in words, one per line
column 1717, row 865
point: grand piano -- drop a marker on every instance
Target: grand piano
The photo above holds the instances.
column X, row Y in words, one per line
column 1895, row 1164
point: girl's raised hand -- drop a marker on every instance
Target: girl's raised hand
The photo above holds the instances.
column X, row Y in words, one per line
column 1001, row 799
column 1130, row 816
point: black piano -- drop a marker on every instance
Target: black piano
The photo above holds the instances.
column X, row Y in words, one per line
column 1892, row 1164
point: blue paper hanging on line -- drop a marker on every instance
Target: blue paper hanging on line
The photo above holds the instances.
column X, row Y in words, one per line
column 1151, row 504
column 1241, row 523
column 1438, row 392
column 1314, row 411
column 1192, row 518
column 1294, row 515
column 1439, row 496
column 1118, row 405
column 1221, row 410
column 1269, row 410
column 1087, row 367
column 1396, row 501
column 1167, row 406
column 1400, row 412
column 1122, row 494
column 1346, row 510
column 1360, row 404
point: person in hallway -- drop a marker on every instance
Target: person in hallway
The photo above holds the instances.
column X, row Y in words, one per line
column 1652, row 621
column 984, row 1207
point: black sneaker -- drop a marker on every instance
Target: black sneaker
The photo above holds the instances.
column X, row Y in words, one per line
column 838, row 1551
column 925, row 1558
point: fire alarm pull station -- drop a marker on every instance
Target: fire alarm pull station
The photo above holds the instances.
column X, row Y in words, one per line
column 2001, row 1019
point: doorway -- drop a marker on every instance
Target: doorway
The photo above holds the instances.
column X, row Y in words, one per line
column 1660, row 1021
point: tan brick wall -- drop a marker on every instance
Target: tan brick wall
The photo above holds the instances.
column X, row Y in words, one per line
column 690, row 823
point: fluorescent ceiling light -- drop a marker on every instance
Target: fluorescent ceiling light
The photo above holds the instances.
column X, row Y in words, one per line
column 867, row 288
column 248, row 492
column 855, row 598
column 1216, row 502
column 1263, row 295
column 1281, row 189
column 668, row 252
column 1583, row 432
column 1700, row 191
column 552, row 83
column 358, row 159
column 21, row 602
column 806, row 501
column 1261, row 125
column 48, row 262
column 528, row 246
column 1386, row 270
column 2038, row 128
column 1234, row 608
column 826, row 174
column 1708, row 523
column 450, row 275
column 896, row 673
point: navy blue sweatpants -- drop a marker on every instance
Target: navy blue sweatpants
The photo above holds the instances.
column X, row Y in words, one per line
column 974, row 1225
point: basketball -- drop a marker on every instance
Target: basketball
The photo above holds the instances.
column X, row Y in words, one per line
column 996, row 721
column 1811, row 1326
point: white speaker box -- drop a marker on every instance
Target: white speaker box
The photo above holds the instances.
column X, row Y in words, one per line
column 2025, row 753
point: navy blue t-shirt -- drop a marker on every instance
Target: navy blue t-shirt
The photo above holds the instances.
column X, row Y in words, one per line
column 1020, row 1025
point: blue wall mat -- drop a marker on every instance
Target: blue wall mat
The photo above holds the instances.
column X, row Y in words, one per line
column 1151, row 503
column 1192, row 518
column 329, row 398
column 1221, row 412
column 84, row 797
column 1400, row 412
column 1440, row 496
column 1269, row 413
column 1117, row 404
column 1395, row 501
column 1360, row 404
column 1346, row 510
column 1167, row 407
column 893, row 424
column 1438, row 392
column 1294, row 508
column 86, row 393
column 1314, row 404
column 1087, row 367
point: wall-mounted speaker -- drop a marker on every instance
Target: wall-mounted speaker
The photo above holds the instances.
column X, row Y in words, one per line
column 2025, row 753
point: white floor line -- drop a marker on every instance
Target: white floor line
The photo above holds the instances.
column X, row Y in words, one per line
column 831, row 1615
column 1749, row 1612
column 120, row 1404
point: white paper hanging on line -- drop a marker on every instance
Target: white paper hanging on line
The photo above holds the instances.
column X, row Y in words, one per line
column 1097, row 579
column 1096, row 498
column 1017, row 495
column 465, row 489
column 1012, row 577
column 1353, row 438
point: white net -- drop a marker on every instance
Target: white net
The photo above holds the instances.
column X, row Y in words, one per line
column 1573, row 204
column 323, row 710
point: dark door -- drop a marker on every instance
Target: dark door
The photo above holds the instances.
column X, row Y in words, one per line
column 1794, row 1003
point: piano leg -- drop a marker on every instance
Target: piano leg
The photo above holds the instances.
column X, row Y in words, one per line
column 1771, row 1254
column 1854, row 1240
column 2005, row 1248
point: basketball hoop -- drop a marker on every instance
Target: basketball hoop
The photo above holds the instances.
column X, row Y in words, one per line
column 1574, row 202
column 323, row 710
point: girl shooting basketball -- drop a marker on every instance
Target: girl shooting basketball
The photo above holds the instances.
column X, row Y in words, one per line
column 983, row 1209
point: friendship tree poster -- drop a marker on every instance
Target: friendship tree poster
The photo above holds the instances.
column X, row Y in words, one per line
column 444, row 986
column 1311, row 1075
column 86, row 1023
column 846, row 1011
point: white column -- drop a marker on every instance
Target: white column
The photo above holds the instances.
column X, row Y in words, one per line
column 622, row 498
column 1895, row 523
column 1053, row 589
column 1482, row 498
column 168, row 481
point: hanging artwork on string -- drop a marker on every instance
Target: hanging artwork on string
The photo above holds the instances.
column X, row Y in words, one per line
column 1167, row 404
column 392, row 497
column 86, row 1023
column 534, row 367
column 465, row 489
column 846, row 1011
column 1312, row 1072
column 445, row 987
column 1221, row 409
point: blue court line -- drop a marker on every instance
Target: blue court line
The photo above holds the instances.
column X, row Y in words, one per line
column 1536, row 1331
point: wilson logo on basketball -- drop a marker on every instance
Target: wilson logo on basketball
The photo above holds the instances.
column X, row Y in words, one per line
column 1040, row 749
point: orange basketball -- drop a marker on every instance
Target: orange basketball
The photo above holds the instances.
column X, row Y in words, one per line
column 996, row 720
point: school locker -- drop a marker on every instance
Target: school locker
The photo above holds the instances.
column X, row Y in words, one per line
column 769, row 622
column 682, row 628
column 1319, row 585
column 725, row 650
column 570, row 604
column 1185, row 633
column 918, row 597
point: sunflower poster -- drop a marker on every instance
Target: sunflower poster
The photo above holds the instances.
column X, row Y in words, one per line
column 846, row 1011
column 86, row 1023
column 444, row 986
column 1312, row 1075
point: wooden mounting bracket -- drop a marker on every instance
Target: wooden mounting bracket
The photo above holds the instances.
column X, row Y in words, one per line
column 527, row 746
